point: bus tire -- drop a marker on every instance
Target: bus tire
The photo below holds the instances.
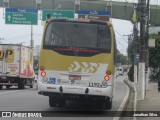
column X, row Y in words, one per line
column 61, row 103
column 52, row 101
column 1, row 86
column 99, row 104
column 108, row 104
column 21, row 84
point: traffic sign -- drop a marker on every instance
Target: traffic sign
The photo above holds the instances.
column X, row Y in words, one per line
column 99, row 13
column 96, row 15
column 21, row 16
column 151, row 43
column 30, row 10
column 136, row 58
column 57, row 14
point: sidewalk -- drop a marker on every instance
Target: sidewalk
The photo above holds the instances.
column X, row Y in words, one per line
column 151, row 102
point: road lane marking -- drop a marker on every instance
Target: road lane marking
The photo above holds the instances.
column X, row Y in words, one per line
column 9, row 92
column 120, row 109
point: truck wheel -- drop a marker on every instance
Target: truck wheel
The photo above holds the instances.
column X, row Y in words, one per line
column 1, row 86
column 21, row 84
column 158, row 88
column 108, row 103
column 36, row 86
column 52, row 101
column 31, row 86
column 8, row 86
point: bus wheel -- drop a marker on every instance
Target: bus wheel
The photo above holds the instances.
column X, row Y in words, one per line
column 108, row 104
column 1, row 86
column 52, row 101
column 61, row 102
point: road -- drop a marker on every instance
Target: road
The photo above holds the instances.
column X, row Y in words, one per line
column 28, row 100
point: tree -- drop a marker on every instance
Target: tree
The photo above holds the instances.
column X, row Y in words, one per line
column 154, row 53
column 131, row 52
column 121, row 58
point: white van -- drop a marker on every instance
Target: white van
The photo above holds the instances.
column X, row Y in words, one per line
column 120, row 70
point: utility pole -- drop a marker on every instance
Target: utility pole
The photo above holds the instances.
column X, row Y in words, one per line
column 147, row 33
column 77, row 6
column 141, row 65
column 142, row 5
column 32, row 41
column 135, row 42
column 129, row 42
column 147, row 47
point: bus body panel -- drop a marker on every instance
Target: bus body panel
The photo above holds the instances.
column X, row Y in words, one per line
column 91, row 70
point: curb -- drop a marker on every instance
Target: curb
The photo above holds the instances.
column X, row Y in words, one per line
column 135, row 101
column 131, row 105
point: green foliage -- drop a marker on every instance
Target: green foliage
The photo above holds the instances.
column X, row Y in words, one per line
column 131, row 52
column 131, row 73
column 121, row 58
column 154, row 53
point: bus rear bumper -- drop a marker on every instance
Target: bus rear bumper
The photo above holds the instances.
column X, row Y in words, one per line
column 54, row 90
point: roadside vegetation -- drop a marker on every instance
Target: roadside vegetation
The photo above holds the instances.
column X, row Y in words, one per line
column 154, row 57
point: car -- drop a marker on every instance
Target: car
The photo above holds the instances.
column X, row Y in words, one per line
column 120, row 71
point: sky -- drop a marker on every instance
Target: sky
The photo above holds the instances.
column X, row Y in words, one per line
column 22, row 33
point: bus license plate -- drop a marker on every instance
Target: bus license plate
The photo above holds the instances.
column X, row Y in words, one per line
column 74, row 77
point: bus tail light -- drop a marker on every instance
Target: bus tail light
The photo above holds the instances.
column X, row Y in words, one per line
column 106, row 77
column 43, row 74
column 42, row 68
column 108, row 72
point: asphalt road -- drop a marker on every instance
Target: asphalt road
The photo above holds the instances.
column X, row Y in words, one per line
column 29, row 100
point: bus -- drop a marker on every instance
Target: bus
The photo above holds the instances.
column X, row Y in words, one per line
column 77, row 61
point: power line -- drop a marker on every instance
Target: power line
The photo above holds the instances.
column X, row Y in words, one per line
column 121, row 36
column 122, row 45
column 18, row 36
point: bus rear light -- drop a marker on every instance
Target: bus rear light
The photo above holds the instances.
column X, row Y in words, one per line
column 106, row 77
column 43, row 74
column 108, row 72
column 42, row 68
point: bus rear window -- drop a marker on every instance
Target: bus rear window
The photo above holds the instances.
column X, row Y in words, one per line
column 75, row 34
